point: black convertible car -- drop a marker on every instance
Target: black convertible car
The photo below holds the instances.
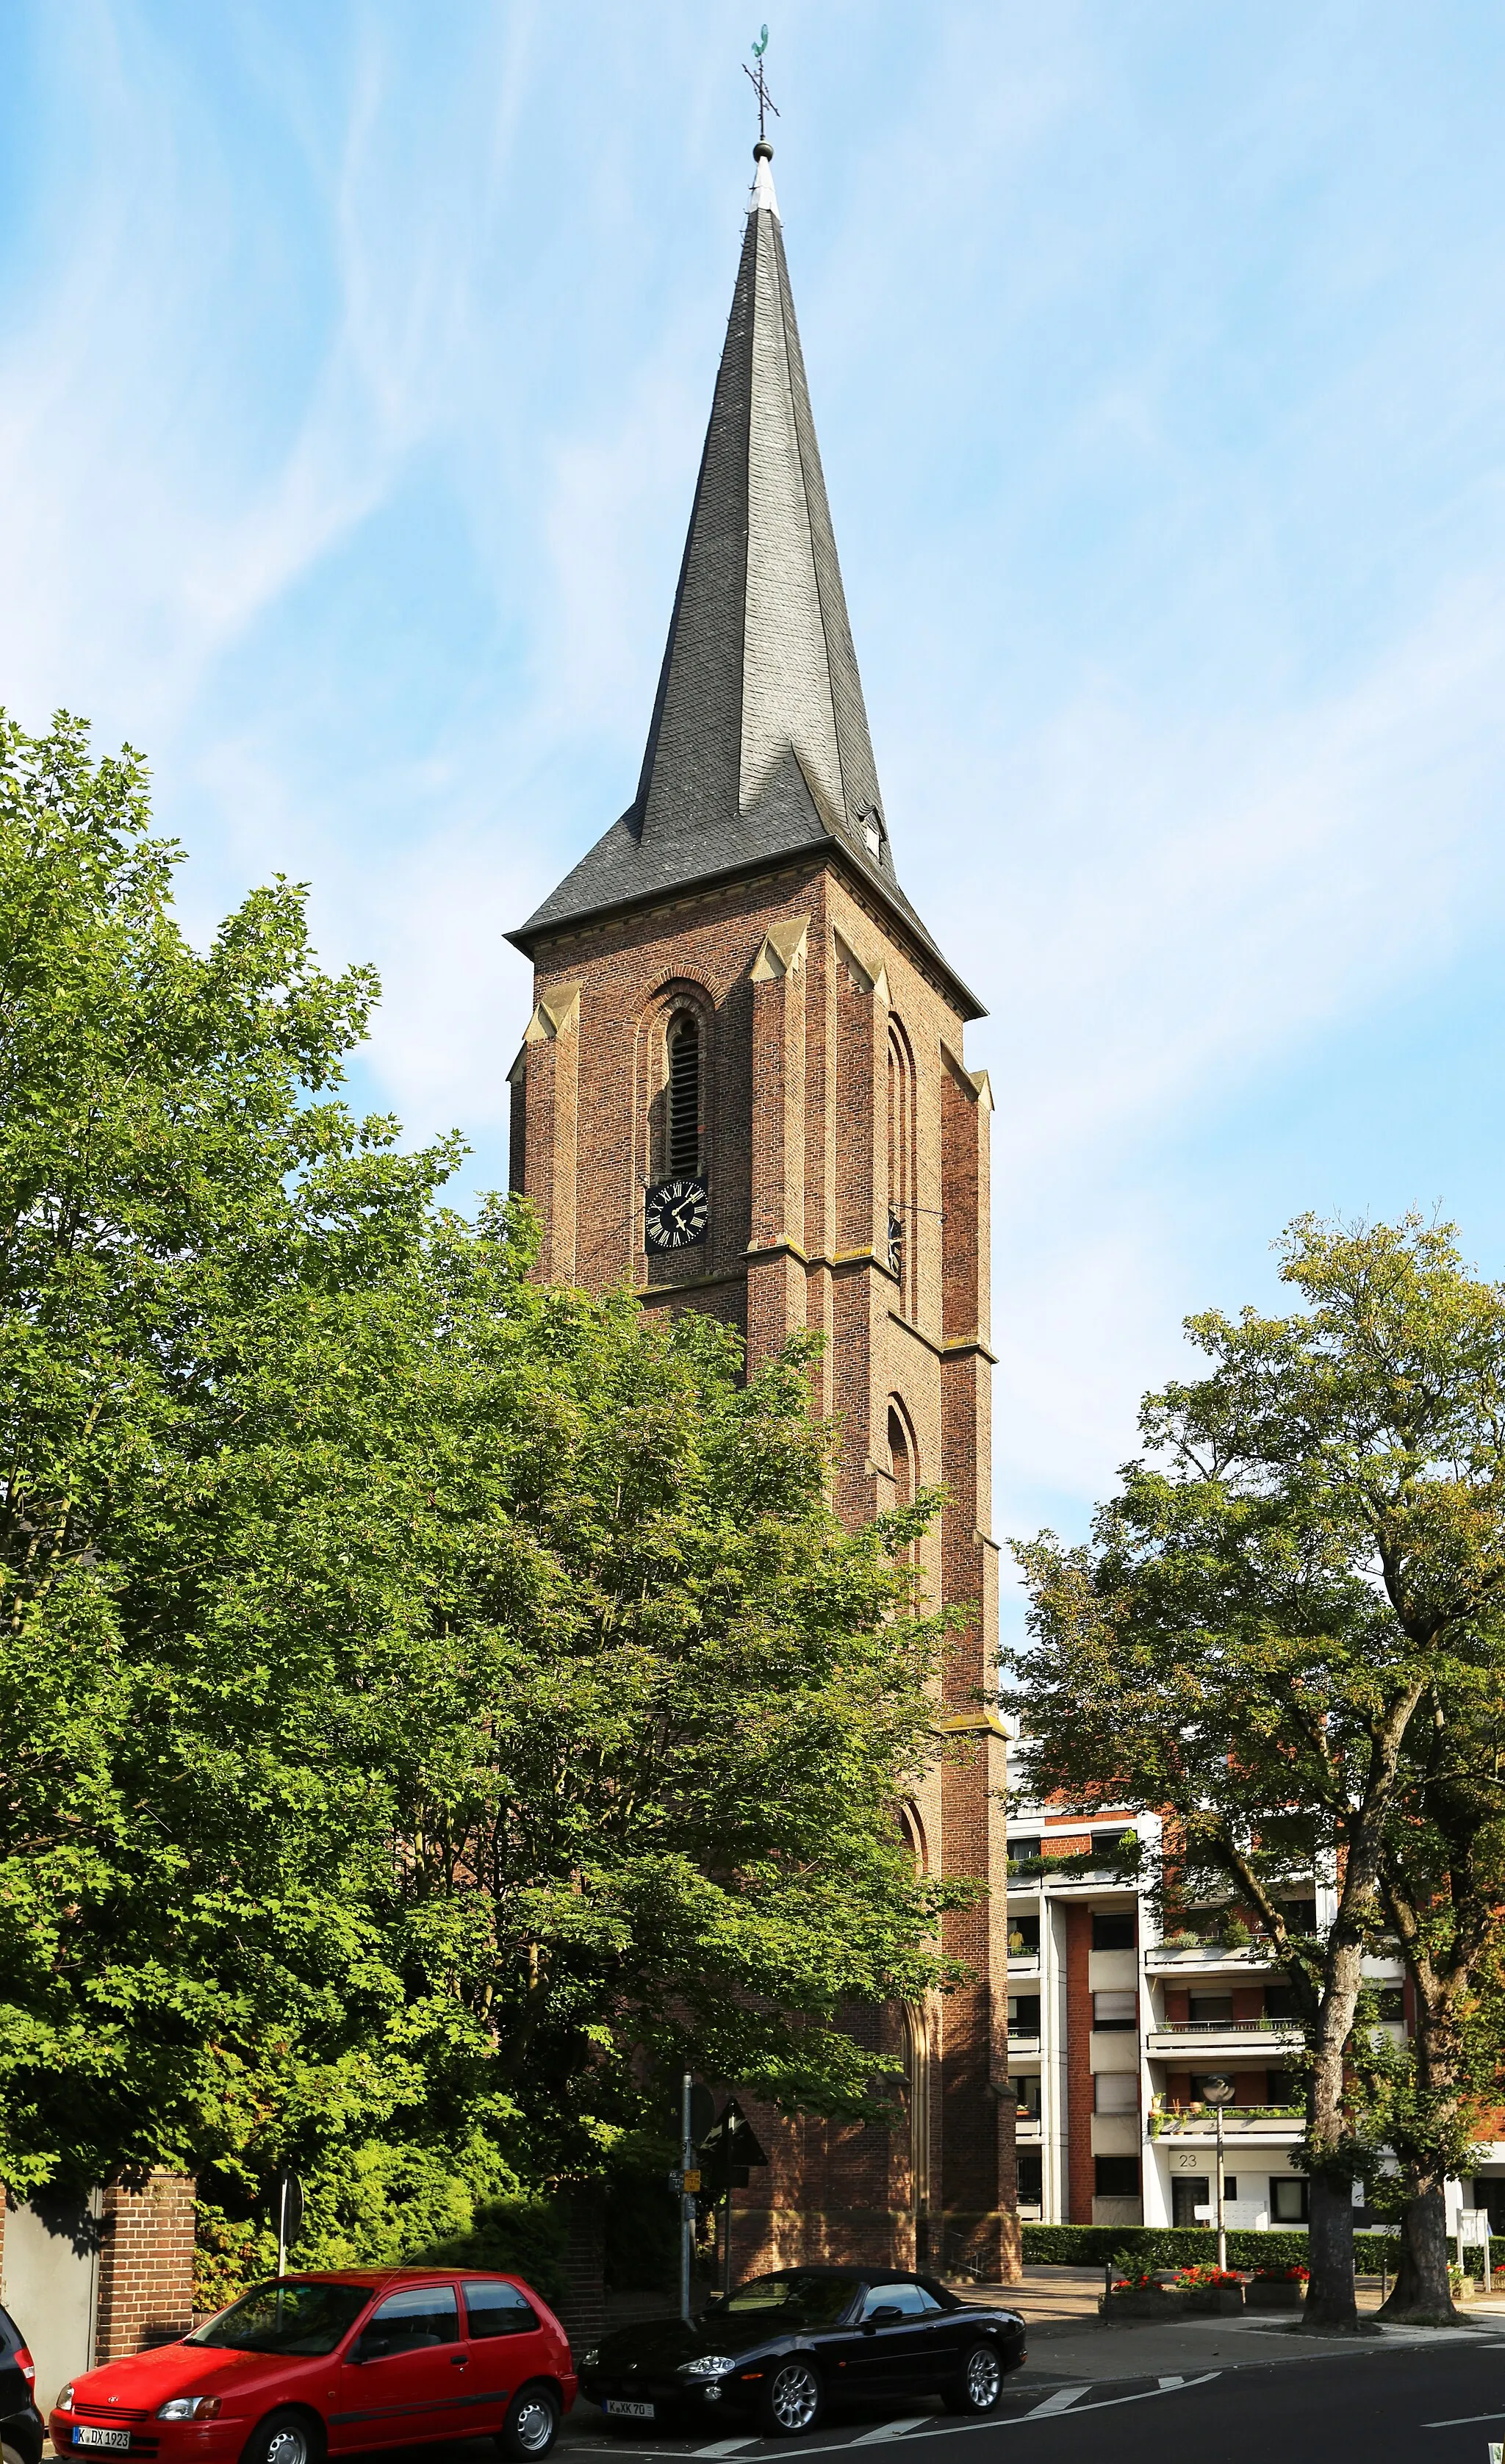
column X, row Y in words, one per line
column 783, row 2347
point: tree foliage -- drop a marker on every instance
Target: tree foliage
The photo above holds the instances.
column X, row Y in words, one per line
column 432, row 1705
column 1310, row 1554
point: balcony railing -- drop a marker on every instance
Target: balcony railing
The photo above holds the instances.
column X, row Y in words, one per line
column 1222, row 2026
column 1207, row 1954
column 1239, row 2121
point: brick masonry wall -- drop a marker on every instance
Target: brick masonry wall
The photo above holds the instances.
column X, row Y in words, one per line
column 799, row 985
column 145, row 2265
column 1078, row 2065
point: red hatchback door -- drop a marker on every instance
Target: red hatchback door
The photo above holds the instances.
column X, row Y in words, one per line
column 403, row 2380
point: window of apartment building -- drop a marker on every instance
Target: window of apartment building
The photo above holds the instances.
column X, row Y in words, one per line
column 1023, row 1937
column 1029, row 2172
column 1112, row 1929
column 1281, row 2088
column 1214, row 2009
column 1024, row 2014
column 1116, row 2177
column 1280, row 2002
column 1390, row 2001
column 1025, row 2094
column 1300, row 1916
column 1020, row 1851
column 1115, row 2092
column 1289, row 2199
column 1115, row 2011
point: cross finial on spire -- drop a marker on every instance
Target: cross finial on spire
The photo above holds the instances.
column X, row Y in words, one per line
column 766, row 101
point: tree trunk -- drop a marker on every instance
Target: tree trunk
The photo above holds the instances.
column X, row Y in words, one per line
column 1330, row 2298
column 1421, row 2283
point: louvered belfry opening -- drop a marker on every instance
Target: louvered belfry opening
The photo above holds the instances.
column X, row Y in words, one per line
column 684, row 1097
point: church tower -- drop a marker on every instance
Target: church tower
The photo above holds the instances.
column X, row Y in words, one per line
column 742, row 1088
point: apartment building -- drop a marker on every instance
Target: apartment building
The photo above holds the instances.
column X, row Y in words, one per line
column 1114, row 2031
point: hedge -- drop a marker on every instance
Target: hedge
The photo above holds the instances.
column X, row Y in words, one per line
column 1190, row 2246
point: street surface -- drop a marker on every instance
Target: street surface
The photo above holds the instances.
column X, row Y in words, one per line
column 1439, row 2398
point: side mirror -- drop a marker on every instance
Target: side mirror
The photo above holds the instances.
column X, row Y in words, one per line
column 883, row 2315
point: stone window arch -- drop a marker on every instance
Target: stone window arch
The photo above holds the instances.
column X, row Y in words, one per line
column 679, row 1033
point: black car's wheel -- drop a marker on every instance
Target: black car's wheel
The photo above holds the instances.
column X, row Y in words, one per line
column 982, row 2380
column 18, row 2447
column 285, row 2438
column 532, row 2423
column 792, row 2397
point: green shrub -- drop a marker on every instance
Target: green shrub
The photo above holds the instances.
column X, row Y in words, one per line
column 1186, row 2246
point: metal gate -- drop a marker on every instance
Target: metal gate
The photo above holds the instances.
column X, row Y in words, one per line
column 50, row 2284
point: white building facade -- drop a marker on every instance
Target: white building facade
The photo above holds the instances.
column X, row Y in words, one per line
column 1114, row 2032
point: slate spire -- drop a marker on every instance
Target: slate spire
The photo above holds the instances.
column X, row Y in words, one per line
column 759, row 747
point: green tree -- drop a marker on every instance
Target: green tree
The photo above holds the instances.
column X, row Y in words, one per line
column 431, row 1704
column 658, row 1713
column 1443, row 1888
column 1311, row 1554
column 187, row 1880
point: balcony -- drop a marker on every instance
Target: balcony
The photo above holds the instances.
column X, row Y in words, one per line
column 1023, row 2040
column 1024, row 1963
column 1205, row 1959
column 1279, row 2124
column 1168, row 2039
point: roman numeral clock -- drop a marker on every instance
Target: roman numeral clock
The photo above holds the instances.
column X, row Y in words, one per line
column 676, row 1214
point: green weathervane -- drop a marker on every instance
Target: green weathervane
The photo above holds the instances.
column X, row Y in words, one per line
column 766, row 101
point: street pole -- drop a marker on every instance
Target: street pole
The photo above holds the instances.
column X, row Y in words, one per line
column 726, row 2255
column 1222, row 2239
column 686, row 2202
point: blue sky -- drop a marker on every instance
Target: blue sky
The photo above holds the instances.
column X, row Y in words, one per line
column 353, row 366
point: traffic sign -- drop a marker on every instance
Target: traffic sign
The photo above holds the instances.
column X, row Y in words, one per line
column 729, row 2151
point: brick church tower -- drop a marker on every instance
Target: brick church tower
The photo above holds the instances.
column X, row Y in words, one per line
column 742, row 1088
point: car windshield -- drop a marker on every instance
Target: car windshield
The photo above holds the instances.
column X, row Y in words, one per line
column 799, row 2298
column 299, row 2315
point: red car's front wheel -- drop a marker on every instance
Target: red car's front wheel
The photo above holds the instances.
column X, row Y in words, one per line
column 285, row 2438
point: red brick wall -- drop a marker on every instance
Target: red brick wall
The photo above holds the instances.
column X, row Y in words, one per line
column 145, row 2265
column 1079, row 2066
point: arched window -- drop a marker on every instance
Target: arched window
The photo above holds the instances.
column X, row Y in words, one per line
column 901, row 1242
column 902, row 1460
column 684, row 1097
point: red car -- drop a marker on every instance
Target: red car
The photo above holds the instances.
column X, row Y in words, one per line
column 334, row 2364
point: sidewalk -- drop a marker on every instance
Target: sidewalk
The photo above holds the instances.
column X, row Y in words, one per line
column 1068, row 2341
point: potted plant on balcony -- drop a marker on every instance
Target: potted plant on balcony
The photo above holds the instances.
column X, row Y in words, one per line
column 1135, row 2292
column 1218, row 2291
column 1276, row 2288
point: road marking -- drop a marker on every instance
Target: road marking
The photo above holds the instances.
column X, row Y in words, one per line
column 1170, row 2383
column 1460, row 2420
column 893, row 2429
column 932, row 2427
column 1059, row 2402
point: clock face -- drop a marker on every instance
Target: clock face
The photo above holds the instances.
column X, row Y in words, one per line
column 676, row 1214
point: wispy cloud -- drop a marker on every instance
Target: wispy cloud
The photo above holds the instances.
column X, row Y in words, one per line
column 352, row 378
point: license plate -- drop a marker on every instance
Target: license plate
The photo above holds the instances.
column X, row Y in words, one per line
column 630, row 2411
column 116, row 2439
